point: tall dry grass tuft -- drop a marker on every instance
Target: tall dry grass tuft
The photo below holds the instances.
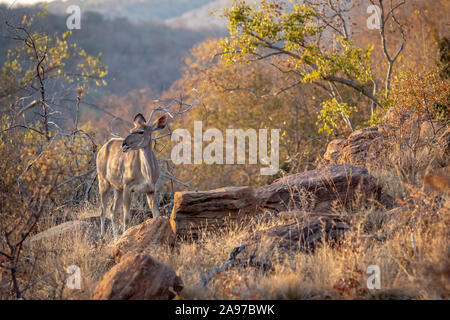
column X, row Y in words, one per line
column 56, row 255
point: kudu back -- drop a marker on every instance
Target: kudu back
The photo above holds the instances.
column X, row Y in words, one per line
column 129, row 165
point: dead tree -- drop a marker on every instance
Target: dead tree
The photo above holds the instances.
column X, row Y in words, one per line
column 388, row 14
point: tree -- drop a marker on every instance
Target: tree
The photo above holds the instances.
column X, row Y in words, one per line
column 314, row 42
column 240, row 96
column 44, row 165
column 41, row 60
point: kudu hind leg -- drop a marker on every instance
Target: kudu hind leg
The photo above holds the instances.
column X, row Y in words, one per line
column 104, row 189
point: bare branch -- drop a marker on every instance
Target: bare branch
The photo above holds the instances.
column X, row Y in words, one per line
column 27, row 107
column 111, row 129
column 75, row 177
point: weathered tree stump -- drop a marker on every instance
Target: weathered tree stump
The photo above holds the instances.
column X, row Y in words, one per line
column 210, row 210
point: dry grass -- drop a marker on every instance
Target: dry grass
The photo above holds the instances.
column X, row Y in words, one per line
column 411, row 247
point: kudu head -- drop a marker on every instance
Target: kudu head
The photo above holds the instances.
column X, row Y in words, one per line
column 141, row 135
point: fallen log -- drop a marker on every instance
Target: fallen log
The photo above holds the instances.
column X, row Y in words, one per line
column 315, row 190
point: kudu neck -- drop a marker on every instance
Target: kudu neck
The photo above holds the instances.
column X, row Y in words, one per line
column 150, row 163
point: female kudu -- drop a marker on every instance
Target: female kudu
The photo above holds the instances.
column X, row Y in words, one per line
column 129, row 165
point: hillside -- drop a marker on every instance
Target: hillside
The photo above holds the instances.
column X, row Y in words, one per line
column 151, row 51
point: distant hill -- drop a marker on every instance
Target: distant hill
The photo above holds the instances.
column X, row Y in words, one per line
column 202, row 18
column 134, row 10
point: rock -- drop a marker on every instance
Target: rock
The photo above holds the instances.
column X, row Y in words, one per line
column 429, row 130
column 138, row 277
column 88, row 226
column 94, row 221
column 443, row 143
column 209, row 210
column 303, row 234
column 334, row 150
column 152, row 232
column 137, row 217
column 361, row 146
column 439, row 180
column 312, row 189
column 367, row 145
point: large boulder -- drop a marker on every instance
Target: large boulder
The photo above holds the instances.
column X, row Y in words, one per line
column 138, row 277
column 315, row 190
column 366, row 146
column 209, row 210
column 152, row 232
column 87, row 227
column 439, row 180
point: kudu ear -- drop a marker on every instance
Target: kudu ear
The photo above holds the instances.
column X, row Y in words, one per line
column 160, row 123
column 139, row 120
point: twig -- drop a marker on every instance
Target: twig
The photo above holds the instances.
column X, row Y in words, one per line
column 75, row 177
column 233, row 261
column 170, row 177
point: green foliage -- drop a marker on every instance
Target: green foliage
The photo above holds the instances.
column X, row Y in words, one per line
column 254, row 28
column 332, row 110
column 43, row 155
column 375, row 118
column 294, row 33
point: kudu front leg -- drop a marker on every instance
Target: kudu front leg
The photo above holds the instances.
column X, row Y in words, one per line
column 152, row 200
column 126, row 208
